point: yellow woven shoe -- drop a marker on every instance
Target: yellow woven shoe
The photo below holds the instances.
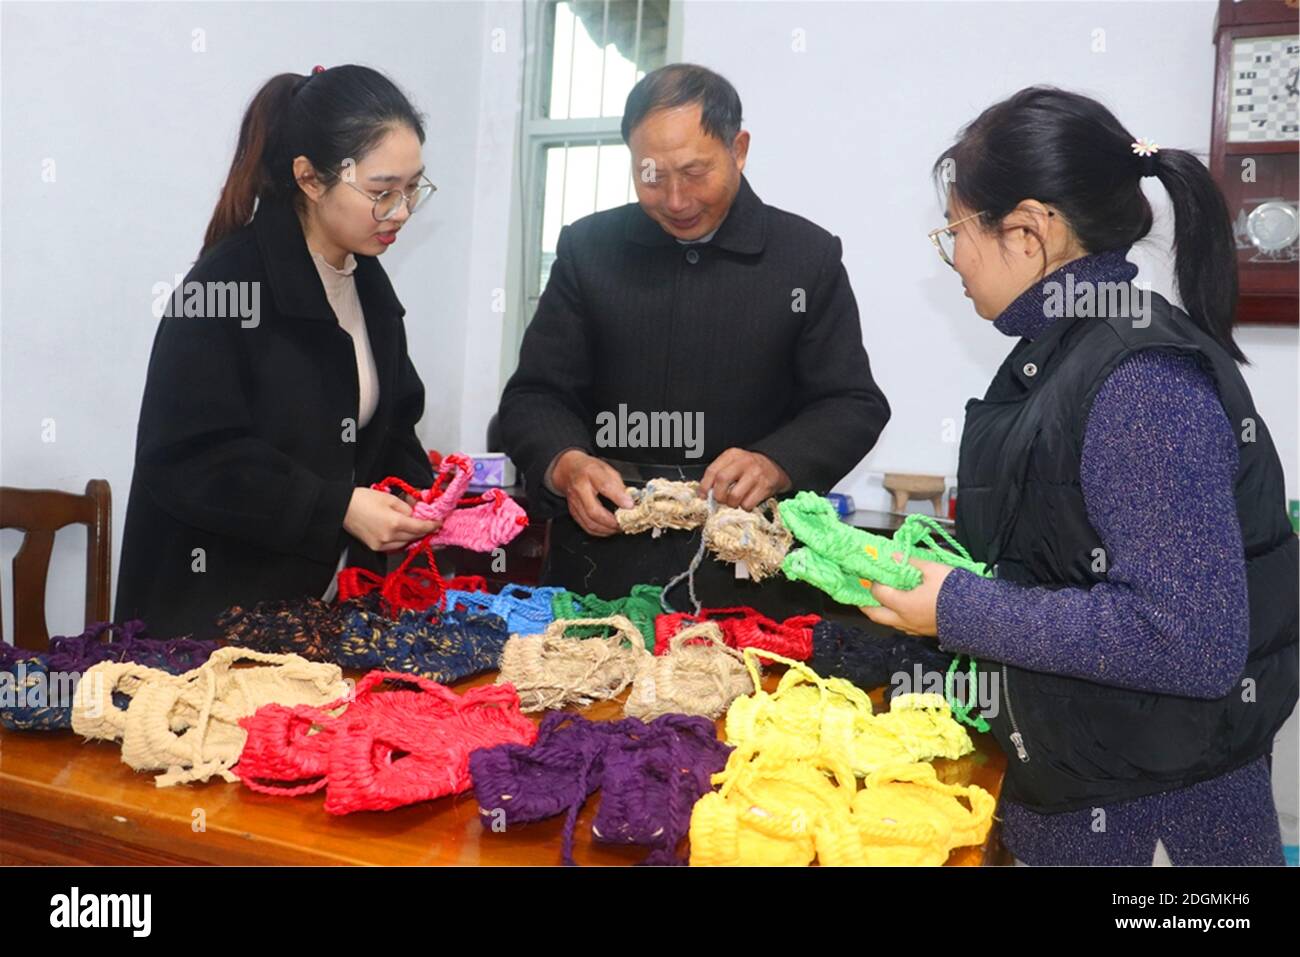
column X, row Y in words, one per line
column 806, row 714
column 917, row 727
column 906, row 816
column 773, row 810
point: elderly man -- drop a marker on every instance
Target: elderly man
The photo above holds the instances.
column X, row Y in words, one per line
column 697, row 333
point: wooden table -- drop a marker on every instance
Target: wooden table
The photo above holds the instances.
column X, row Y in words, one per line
column 67, row 801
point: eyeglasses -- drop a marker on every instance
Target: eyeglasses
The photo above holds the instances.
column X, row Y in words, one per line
column 390, row 201
column 945, row 238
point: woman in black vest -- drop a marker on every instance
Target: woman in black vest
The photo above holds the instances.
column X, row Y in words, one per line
column 1138, row 642
column 279, row 386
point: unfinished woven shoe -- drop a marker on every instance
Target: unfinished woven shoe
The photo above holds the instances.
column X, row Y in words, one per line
column 905, row 816
column 661, row 504
column 699, row 675
column 758, row 538
column 479, row 523
column 772, row 810
column 552, row 671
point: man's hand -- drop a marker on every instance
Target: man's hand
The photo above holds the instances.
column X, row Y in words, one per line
column 743, row 479
column 580, row 478
column 383, row 522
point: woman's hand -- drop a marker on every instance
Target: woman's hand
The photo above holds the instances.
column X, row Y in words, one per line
column 915, row 611
column 383, row 522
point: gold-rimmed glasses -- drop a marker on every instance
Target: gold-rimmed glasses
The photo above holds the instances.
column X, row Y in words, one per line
column 945, row 238
column 387, row 203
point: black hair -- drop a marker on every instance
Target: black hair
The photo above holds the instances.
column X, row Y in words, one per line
column 339, row 113
column 678, row 84
column 1068, row 151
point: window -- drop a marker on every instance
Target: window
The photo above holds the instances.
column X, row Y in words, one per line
column 588, row 56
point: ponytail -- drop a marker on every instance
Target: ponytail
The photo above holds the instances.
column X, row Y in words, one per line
column 1068, row 150
column 247, row 178
column 1205, row 252
column 327, row 116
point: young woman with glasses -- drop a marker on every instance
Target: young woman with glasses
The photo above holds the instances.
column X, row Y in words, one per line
column 262, row 427
column 1139, row 632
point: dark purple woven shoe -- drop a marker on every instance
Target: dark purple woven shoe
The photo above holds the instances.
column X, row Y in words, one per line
column 651, row 781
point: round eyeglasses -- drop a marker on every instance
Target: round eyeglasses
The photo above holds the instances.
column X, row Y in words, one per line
column 387, row 203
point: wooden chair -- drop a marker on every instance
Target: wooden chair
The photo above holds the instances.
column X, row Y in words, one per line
column 40, row 513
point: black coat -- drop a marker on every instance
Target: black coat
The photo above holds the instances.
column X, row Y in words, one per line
column 630, row 316
column 243, row 449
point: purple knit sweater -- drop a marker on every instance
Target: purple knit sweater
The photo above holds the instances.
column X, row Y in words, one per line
column 1157, row 470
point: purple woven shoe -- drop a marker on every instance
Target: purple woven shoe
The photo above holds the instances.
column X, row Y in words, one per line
column 652, row 779
column 652, row 775
column 556, row 775
column 128, row 641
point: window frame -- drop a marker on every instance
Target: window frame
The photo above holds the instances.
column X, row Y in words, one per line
column 536, row 134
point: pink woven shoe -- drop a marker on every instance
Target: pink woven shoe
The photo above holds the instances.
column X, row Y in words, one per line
column 479, row 523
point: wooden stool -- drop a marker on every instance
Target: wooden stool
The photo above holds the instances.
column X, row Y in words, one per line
column 905, row 487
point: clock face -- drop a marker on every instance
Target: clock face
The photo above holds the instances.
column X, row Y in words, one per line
column 1273, row 226
column 1265, row 98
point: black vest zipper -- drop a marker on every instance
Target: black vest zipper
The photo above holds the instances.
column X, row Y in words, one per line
column 1017, row 738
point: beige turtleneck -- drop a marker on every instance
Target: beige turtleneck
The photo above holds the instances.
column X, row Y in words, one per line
column 341, row 291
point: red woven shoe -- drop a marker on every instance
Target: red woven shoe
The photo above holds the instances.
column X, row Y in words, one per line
column 744, row 628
